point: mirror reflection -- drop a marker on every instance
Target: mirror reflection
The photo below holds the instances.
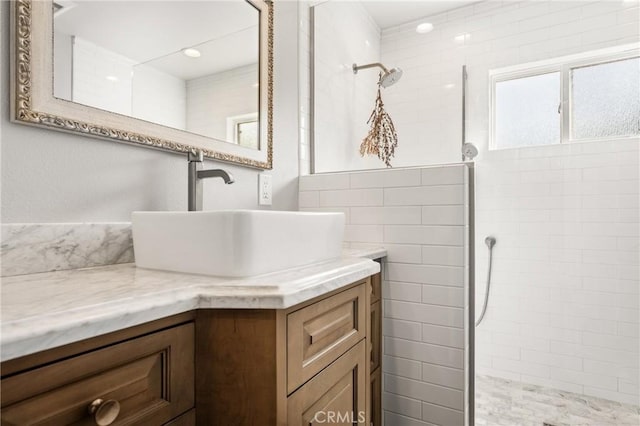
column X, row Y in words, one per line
column 189, row 65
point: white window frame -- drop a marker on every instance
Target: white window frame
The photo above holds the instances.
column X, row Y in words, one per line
column 562, row 65
column 232, row 126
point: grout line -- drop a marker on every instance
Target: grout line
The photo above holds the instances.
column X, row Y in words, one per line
column 428, row 343
column 426, row 264
column 421, row 400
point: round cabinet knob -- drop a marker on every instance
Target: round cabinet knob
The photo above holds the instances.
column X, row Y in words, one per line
column 104, row 412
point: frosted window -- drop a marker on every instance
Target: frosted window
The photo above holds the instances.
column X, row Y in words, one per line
column 248, row 134
column 606, row 100
column 526, row 111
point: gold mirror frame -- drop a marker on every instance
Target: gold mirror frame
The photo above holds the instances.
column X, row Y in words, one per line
column 33, row 103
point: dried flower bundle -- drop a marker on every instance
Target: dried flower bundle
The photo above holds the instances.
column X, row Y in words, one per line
column 382, row 138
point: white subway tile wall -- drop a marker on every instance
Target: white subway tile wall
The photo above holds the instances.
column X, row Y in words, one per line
column 566, row 279
column 144, row 92
column 344, row 34
column 421, row 217
column 565, row 290
column 425, row 105
column 110, row 81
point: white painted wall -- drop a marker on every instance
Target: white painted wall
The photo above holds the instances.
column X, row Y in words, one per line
column 214, row 98
column 49, row 176
column 421, row 216
column 344, row 34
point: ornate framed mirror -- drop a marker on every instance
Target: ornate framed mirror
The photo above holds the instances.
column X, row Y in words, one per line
column 172, row 75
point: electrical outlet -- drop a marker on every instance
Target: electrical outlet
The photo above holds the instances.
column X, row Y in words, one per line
column 264, row 190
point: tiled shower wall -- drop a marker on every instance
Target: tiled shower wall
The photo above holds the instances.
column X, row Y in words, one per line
column 421, row 216
column 344, row 34
column 564, row 308
column 426, row 104
column 564, row 304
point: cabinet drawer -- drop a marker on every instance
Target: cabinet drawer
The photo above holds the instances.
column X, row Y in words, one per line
column 151, row 377
column 376, row 287
column 376, row 334
column 335, row 396
column 318, row 334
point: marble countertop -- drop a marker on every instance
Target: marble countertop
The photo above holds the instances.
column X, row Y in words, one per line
column 43, row 311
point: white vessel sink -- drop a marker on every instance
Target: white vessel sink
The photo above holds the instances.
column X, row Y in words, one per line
column 235, row 243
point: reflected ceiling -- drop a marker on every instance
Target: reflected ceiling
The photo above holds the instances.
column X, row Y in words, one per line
column 149, row 30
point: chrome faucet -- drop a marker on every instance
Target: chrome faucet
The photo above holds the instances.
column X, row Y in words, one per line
column 196, row 174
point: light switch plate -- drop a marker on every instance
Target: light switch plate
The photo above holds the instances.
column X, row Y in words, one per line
column 264, row 190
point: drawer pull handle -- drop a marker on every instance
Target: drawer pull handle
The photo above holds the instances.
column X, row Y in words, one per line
column 104, row 412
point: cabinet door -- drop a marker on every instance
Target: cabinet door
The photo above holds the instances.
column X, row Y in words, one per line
column 376, row 334
column 187, row 419
column 376, row 397
column 150, row 377
column 337, row 395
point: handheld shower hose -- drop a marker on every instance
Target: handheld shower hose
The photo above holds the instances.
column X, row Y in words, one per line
column 490, row 242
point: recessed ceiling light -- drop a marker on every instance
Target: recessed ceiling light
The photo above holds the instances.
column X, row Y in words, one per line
column 424, row 28
column 191, row 52
column 449, row 86
column 112, row 78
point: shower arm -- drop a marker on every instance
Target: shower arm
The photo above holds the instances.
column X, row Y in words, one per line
column 357, row 67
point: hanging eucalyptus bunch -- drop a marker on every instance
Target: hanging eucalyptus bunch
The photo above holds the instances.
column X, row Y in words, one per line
column 382, row 138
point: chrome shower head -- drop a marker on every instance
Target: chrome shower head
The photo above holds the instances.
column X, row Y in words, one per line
column 388, row 78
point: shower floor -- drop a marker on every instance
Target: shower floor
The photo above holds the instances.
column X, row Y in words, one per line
column 510, row 403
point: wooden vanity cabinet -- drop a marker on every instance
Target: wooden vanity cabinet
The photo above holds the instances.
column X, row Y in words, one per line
column 141, row 376
column 311, row 363
column 285, row 367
